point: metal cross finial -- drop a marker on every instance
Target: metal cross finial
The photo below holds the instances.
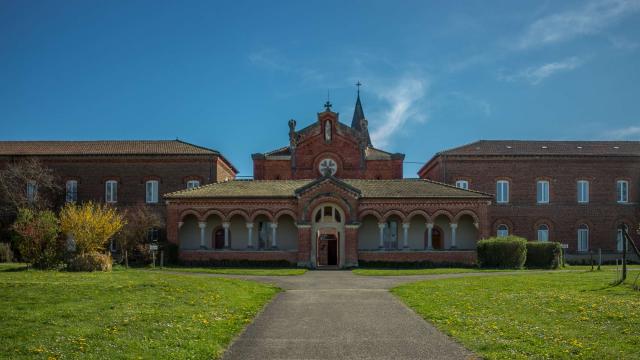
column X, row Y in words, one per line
column 358, row 84
column 327, row 106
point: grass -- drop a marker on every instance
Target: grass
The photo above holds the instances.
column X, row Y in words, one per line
column 122, row 314
column 402, row 272
column 239, row 271
column 558, row 315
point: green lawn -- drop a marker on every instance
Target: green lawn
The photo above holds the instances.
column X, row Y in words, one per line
column 401, row 272
column 239, row 271
column 123, row 314
column 541, row 316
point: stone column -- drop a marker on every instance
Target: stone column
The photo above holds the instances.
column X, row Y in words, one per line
column 202, row 225
column 454, row 227
column 225, row 226
column 429, row 236
column 249, row 235
column 405, row 234
column 274, row 228
column 381, row 234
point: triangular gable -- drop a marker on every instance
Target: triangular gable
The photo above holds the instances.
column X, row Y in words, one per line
column 328, row 179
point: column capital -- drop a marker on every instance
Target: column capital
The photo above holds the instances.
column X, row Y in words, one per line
column 202, row 224
column 381, row 225
column 430, row 225
column 249, row 225
column 453, row 225
column 477, row 225
column 273, row 225
column 226, row 225
column 180, row 223
column 405, row 225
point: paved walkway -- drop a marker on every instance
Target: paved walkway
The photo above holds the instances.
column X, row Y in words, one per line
column 339, row 315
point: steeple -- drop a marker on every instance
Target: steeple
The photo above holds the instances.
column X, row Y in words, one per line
column 359, row 119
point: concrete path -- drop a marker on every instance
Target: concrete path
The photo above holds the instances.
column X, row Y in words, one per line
column 339, row 315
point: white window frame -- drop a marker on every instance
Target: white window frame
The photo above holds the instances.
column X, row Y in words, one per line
column 583, row 234
column 191, row 184
column 583, row 191
column 502, row 192
column 32, row 191
column 502, row 232
column 620, row 237
column 543, row 233
column 622, row 191
column 111, row 191
column 71, row 187
column 542, row 191
column 151, row 191
column 462, row 184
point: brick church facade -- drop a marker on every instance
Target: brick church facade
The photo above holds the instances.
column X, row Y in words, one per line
column 328, row 199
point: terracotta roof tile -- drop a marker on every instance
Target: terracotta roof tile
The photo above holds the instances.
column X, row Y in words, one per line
column 400, row 188
column 103, row 147
column 552, row 148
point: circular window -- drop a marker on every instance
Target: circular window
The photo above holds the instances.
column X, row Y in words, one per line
column 328, row 167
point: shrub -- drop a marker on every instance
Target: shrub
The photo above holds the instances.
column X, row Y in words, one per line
column 504, row 252
column 38, row 238
column 91, row 225
column 134, row 234
column 6, row 255
column 426, row 264
column 91, row 261
column 543, row 255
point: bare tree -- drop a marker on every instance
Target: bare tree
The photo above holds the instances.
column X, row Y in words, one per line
column 26, row 184
column 140, row 220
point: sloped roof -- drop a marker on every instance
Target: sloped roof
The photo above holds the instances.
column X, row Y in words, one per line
column 553, row 148
column 398, row 188
column 103, row 147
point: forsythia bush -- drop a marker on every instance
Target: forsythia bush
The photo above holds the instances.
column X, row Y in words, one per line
column 91, row 225
column 504, row 252
column 38, row 238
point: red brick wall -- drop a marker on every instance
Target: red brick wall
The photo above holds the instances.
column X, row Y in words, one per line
column 312, row 148
column 208, row 255
column 444, row 257
column 563, row 214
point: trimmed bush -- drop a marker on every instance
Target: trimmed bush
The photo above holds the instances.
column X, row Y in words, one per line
column 545, row 255
column 504, row 252
column 91, row 261
column 426, row 264
column 6, row 255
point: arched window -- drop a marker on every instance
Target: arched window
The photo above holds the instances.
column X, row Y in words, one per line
column 328, row 213
column 503, row 230
column 620, row 237
column 583, row 237
column 543, row 232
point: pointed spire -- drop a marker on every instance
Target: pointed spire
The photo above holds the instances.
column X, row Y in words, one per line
column 358, row 117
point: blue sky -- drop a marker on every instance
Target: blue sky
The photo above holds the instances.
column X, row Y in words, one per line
column 228, row 75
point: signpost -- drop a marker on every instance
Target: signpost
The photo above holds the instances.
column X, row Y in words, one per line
column 563, row 246
column 153, row 248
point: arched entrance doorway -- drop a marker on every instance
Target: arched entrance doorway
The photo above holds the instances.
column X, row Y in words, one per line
column 218, row 238
column 328, row 230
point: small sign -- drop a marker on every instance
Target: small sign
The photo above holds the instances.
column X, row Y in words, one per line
column 153, row 247
column 564, row 246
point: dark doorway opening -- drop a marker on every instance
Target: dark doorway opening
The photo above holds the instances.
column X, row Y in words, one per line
column 327, row 250
column 332, row 247
column 218, row 238
column 436, row 238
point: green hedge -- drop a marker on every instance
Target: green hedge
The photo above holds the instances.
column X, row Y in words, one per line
column 411, row 264
column 544, row 255
column 505, row 252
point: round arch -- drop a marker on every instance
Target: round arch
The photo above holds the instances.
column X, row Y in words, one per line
column 188, row 212
column 423, row 213
column 462, row 213
column 397, row 213
column 233, row 213
column 210, row 212
column 372, row 212
column 285, row 212
column 443, row 212
column 331, row 198
column 259, row 212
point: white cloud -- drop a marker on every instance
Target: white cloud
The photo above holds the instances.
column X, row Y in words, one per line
column 536, row 74
column 622, row 43
column 628, row 133
column 592, row 18
column 403, row 98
